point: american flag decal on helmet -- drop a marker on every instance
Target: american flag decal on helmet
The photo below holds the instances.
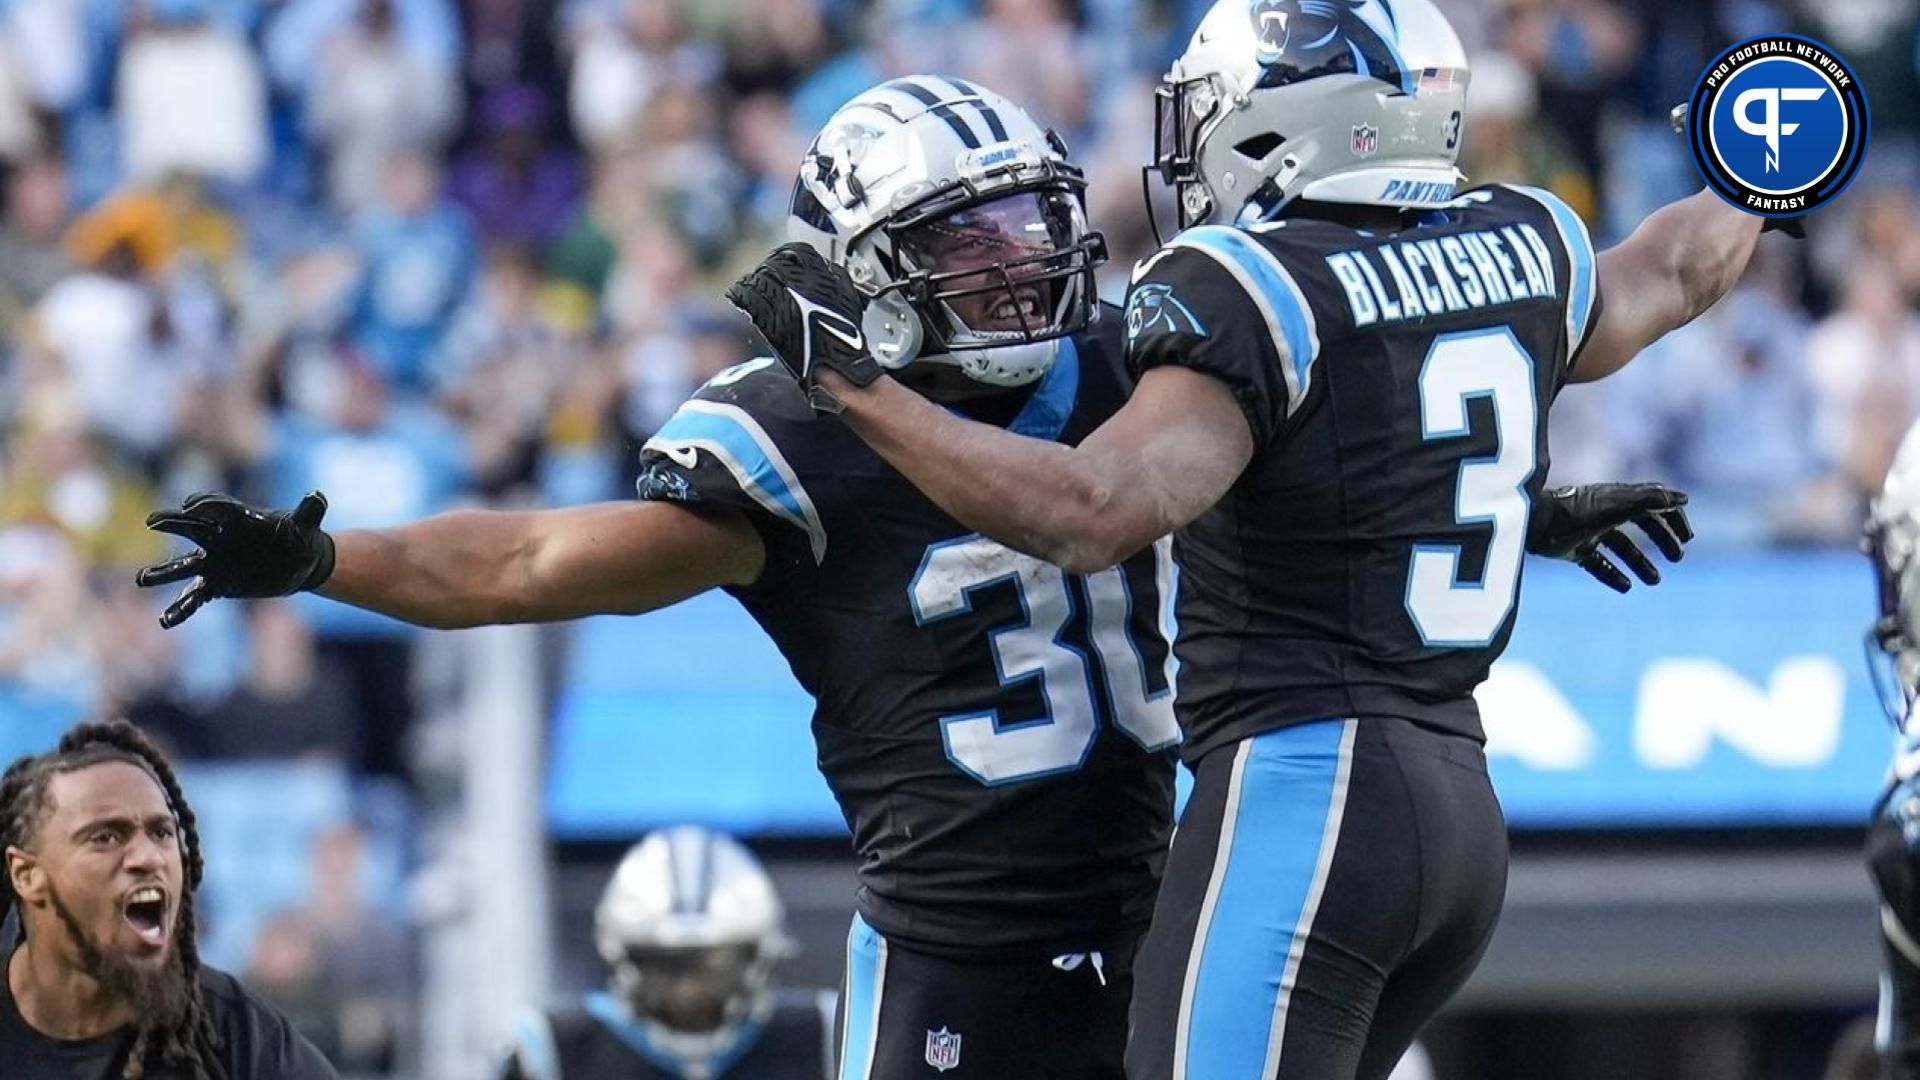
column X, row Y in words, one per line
column 1437, row 80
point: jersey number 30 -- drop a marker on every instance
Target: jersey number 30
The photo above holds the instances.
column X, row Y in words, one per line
column 1491, row 490
column 996, row 753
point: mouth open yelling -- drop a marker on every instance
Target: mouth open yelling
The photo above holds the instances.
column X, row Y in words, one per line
column 146, row 912
column 1017, row 311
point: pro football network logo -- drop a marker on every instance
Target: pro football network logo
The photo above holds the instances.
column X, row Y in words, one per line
column 1778, row 125
column 943, row 1049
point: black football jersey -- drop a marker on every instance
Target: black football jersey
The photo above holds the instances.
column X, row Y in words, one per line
column 1368, row 560
column 997, row 731
column 598, row 1040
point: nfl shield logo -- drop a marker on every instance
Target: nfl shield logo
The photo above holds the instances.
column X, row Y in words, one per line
column 1366, row 140
column 943, row 1049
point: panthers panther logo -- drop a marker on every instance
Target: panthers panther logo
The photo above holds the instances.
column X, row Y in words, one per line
column 1302, row 39
column 1154, row 308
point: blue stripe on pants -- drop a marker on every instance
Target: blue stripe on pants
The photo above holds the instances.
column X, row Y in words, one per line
column 860, row 1013
column 1285, row 821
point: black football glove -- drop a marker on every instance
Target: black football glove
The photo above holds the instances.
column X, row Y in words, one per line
column 245, row 552
column 809, row 310
column 1575, row 523
column 1795, row 226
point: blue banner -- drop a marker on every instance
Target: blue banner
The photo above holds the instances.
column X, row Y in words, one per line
column 1733, row 695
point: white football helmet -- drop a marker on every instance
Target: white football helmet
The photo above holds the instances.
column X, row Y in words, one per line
column 1341, row 101
column 1892, row 540
column 692, row 928
column 965, row 223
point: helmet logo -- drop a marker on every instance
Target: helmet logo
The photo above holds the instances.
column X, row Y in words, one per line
column 1302, row 39
column 835, row 155
column 1270, row 19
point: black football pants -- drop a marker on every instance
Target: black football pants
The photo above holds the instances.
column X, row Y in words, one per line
column 1331, row 885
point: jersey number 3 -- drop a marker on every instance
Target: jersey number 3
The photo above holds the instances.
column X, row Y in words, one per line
column 997, row 753
column 1448, row 612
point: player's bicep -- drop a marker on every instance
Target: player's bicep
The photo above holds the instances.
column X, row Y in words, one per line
column 1645, row 299
column 629, row 557
column 1220, row 303
column 1180, row 442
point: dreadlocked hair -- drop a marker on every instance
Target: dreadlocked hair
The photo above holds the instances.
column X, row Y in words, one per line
column 190, row 1045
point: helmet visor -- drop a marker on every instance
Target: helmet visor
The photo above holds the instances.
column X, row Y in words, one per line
column 1011, row 269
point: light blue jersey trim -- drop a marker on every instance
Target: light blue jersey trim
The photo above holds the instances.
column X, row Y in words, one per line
column 1285, row 806
column 614, row 1017
column 533, row 1046
column 1584, row 286
column 738, row 442
column 866, row 984
column 1273, row 291
column 1045, row 414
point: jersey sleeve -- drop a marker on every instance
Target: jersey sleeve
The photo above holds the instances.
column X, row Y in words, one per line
column 1580, row 277
column 1220, row 302
column 722, row 448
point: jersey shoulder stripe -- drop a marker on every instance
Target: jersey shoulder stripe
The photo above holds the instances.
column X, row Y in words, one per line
column 1579, row 244
column 1276, row 295
column 742, row 446
column 534, row 1049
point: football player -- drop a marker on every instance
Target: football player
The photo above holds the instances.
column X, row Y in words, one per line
column 1344, row 374
column 1893, row 837
column 691, row 928
column 997, row 730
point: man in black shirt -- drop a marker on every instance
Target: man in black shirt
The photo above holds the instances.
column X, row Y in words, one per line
column 103, row 974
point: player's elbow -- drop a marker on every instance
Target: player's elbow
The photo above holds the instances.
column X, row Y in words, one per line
column 1101, row 531
column 1085, row 558
column 1699, row 280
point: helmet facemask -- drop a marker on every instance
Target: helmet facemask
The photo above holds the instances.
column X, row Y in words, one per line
column 694, row 990
column 964, row 223
column 975, row 283
column 1181, row 110
column 1893, row 655
column 1010, row 269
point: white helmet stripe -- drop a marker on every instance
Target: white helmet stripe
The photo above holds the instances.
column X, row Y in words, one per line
column 690, row 863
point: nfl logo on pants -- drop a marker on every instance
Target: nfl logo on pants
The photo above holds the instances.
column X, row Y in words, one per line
column 943, row 1049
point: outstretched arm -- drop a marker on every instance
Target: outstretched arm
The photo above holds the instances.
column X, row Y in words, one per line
column 480, row 567
column 1677, row 264
column 1169, row 454
column 465, row 568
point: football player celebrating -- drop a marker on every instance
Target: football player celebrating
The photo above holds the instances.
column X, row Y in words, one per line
column 997, row 730
column 691, row 927
column 1893, row 837
column 1344, row 375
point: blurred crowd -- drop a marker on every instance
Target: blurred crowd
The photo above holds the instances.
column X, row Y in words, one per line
column 418, row 253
